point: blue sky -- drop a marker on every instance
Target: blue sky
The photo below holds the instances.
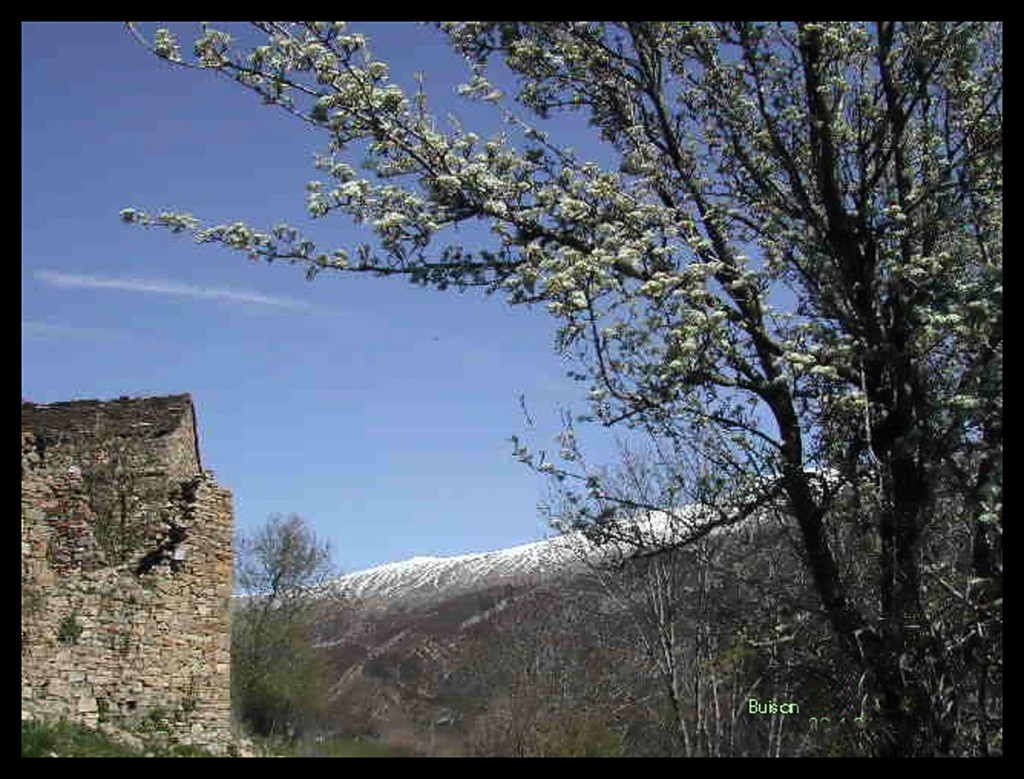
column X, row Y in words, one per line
column 378, row 410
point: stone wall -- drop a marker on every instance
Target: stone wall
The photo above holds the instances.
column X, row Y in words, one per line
column 141, row 641
column 180, row 449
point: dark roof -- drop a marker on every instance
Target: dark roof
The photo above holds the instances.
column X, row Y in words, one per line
column 144, row 417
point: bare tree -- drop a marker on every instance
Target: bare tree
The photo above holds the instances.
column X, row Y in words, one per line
column 279, row 684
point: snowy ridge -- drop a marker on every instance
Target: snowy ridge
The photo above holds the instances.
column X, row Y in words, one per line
column 425, row 577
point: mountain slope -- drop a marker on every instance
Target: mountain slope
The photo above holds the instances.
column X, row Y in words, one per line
column 500, row 652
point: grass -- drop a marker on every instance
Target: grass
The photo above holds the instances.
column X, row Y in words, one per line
column 67, row 739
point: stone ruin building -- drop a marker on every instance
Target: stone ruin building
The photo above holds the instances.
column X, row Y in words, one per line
column 127, row 569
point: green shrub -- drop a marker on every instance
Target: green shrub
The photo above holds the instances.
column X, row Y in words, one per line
column 69, row 631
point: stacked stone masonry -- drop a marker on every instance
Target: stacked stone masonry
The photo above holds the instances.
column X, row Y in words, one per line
column 127, row 637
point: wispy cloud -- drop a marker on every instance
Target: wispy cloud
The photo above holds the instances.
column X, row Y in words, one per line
column 161, row 287
column 47, row 330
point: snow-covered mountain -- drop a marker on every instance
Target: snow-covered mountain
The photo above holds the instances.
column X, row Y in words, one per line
column 424, row 578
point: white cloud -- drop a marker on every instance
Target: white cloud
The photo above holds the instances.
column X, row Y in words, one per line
column 162, row 287
column 47, row 330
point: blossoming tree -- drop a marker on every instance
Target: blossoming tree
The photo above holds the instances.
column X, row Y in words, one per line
column 797, row 261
